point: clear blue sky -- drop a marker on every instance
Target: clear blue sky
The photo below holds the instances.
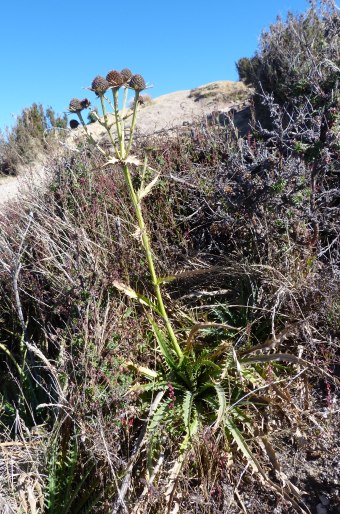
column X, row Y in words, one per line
column 51, row 49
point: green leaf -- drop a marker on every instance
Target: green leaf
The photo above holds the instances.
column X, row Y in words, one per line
column 187, row 409
column 158, row 416
column 150, row 386
column 163, row 345
column 142, row 193
column 241, row 444
column 204, row 362
column 194, row 424
column 165, row 280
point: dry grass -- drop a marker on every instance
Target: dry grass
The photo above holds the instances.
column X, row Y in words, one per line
column 223, row 91
column 245, row 228
column 79, row 240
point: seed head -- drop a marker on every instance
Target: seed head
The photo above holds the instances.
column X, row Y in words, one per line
column 75, row 105
column 115, row 78
column 126, row 74
column 74, row 124
column 137, row 83
column 99, row 85
column 85, row 103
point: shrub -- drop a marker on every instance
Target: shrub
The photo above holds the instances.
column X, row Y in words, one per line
column 296, row 57
column 29, row 137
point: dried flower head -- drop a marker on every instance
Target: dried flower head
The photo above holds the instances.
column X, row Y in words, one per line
column 137, row 83
column 85, row 103
column 75, row 105
column 99, row 85
column 74, row 124
column 115, row 78
column 126, row 74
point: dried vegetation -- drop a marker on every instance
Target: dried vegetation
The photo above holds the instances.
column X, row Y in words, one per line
column 93, row 405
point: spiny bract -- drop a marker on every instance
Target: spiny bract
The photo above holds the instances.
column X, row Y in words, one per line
column 115, row 78
column 126, row 74
column 75, row 105
column 99, row 84
column 137, row 83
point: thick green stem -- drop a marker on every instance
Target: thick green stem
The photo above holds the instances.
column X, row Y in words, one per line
column 149, row 257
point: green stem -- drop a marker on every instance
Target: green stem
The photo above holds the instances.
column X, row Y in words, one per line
column 123, row 113
column 149, row 257
column 133, row 123
column 118, row 121
column 93, row 141
column 107, row 126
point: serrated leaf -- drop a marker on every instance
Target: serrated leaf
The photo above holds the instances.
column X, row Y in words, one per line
column 159, row 415
column 194, row 424
column 147, row 372
column 165, row 280
column 204, row 362
column 186, row 408
column 150, row 386
column 242, row 445
column 131, row 293
column 142, row 193
column 132, row 159
column 163, row 345
column 222, row 405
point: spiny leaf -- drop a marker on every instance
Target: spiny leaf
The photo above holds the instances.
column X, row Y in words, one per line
column 241, row 444
column 131, row 293
column 142, row 193
column 165, row 280
column 150, row 386
column 159, row 414
column 194, row 424
column 163, row 345
column 147, row 372
column 222, row 404
column 187, row 408
column 204, row 362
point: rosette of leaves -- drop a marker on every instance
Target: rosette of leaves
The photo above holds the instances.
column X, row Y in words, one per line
column 207, row 387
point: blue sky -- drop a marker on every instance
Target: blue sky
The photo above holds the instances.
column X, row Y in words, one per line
column 52, row 49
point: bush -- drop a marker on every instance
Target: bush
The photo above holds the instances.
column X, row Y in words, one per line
column 299, row 56
column 29, row 137
column 295, row 76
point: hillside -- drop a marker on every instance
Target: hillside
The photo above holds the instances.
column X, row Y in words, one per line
column 167, row 113
column 169, row 286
